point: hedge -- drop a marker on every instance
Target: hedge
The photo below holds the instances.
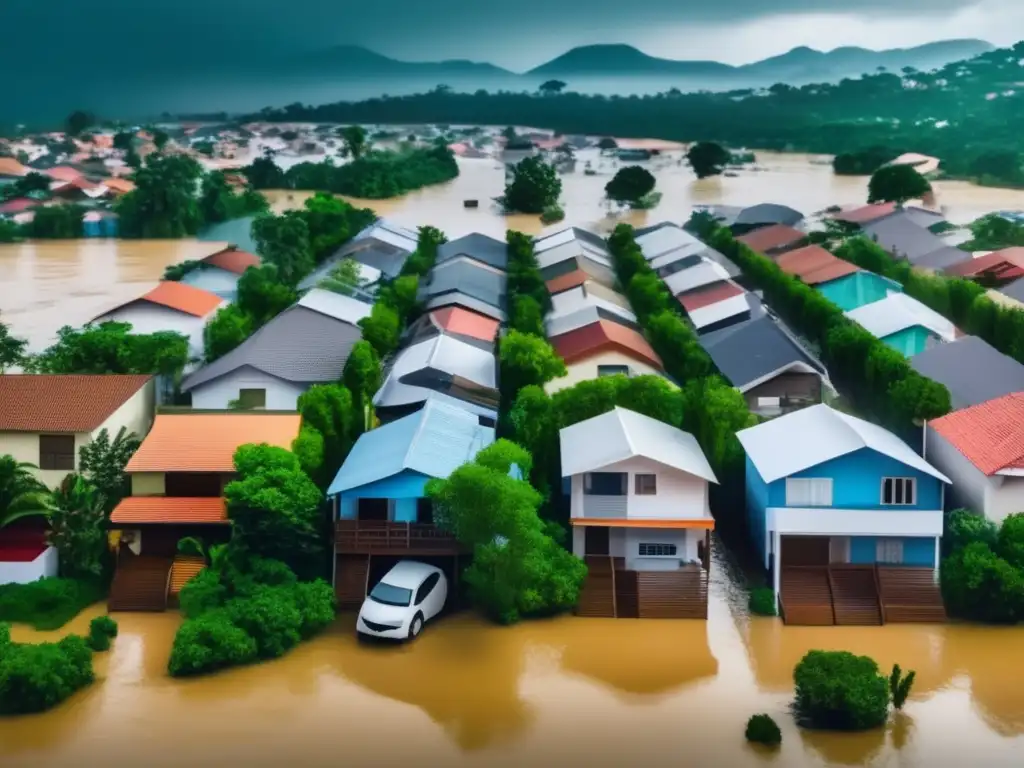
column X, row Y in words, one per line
column 47, row 604
column 35, row 677
column 837, row 690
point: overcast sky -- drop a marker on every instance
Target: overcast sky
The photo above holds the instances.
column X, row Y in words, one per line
column 517, row 35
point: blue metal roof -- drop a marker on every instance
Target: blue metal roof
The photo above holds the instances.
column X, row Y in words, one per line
column 434, row 441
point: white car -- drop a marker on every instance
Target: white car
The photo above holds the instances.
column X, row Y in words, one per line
column 410, row 595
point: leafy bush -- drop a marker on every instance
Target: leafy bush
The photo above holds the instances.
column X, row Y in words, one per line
column 102, row 630
column 270, row 618
column 900, row 685
column 551, row 214
column 37, row 677
column 762, row 601
column 840, row 691
column 202, row 593
column 48, row 603
column 965, row 527
column 316, row 602
column 761, row 729
column 978, row 584
column 208, row 643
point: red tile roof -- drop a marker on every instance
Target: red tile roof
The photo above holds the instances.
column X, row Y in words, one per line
column 466, row 323
column 48, row 403
column 990, row 435
column 707, row 295
column 18, row 205
column 567, row 282
column 169, row 509
column 11, row 167
column 1004, row 264
column 771, row 238
column 814, row 265
column 865, row 213
column 177, row 296
column 63, row 173
column 589, row 340
column 232, row 260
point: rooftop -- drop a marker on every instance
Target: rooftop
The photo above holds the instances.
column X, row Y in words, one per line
column 465, row 323
column 769, row 213
column 478, row 247
column 814, row 265
column 1004, row 264
column 865, row 213
column 335, row 305
column 232, row 260
column 772, row 238
column 971, row 369
column 897, row 312
column 55, row 403
column 168, row 509
column 990, row 435
column 584, row 342
column 180, row 297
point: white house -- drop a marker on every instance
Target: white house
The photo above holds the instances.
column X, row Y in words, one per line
column 981, row 449
column 220, row 272
column 170, row 306
column 639, row 501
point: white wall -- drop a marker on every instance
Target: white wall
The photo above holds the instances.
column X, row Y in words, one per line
column 685, row 541
column 24, row 573
column 680, row 495
column 149, row 318
column 584, row 370
column 216, row 394
column 854, row 522
column 214, row 280
column 135, row 414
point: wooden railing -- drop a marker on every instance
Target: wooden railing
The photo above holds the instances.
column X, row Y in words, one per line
column 364, row 536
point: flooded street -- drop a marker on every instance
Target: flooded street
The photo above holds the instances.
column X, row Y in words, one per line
column 48, row 284
column 569, row 692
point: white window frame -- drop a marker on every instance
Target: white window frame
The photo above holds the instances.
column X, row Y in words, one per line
column 889, row 549
column 907, row 482
column 809, row 491
column 657, row 545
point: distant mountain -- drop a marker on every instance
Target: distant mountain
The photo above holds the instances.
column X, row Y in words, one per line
column 618, row 60
column 359, row 62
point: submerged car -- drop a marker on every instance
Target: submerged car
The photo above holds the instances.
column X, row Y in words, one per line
column 408, row 596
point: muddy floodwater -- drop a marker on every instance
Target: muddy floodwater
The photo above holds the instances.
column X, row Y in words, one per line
column 45, row 285
column 566, row 692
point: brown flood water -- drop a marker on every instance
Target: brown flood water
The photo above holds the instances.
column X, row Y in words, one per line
column 569, row 692
column 48, row 284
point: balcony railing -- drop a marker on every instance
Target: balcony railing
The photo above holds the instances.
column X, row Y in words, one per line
column 373, row 537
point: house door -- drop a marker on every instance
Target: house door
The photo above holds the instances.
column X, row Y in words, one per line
column 805, row 550
column 375, row 510
column 596, row 541
column 425, row 511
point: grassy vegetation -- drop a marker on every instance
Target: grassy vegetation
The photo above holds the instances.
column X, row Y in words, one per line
column 47, row 604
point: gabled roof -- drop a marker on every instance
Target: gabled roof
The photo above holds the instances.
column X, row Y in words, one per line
column 232, row 260
column 464, row 322
column 897, row 312
column 455, row 298
column 583, row 240
column 622, row 434
column 300, row 345
column 744, row 306
column 563, row 322
column 769, row 213
column 753, row 352
column 478, row 247
column 772, row 238
column 1004, row 264
column 865, row 213
column 589, row 340
column 387, row 233
column 811, row 436
column 236, row 232
column 990, row 435
column 705, row 273
column 708, row 294
column 664, row 238
column 180, row 297
column 814, row 265
column 11, row 167
column 56, row 403
column 434, row 441
column 206, row 442
column 899, row 235
column 676, row 255
column 469, row 279
column 170, row 509
column 344, row 308
column 971, row 369
column 590, row 295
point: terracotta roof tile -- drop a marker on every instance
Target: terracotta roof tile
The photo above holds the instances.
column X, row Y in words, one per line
column 466, row 323
column 11, row 167
column 48, row 403
column 587, row 341
column 865, row 213
column 1005, row 264
column 63, row 173
column 568, row 281
column 121, row 186
column 707, row 295
column 814, row 265
column 232, row 260
column 770, row 238
column 18, row 205
column 206, row 442
column 990, row 435
column 181, row 297
column 169, row 509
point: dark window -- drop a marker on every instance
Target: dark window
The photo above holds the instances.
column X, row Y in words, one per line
column 646, row 485
column 252, row 398
column 57, row 452
column 612, row 370
column 205, row 485
column 426, row 587
column 605, row 483
column 425, row 511
column 657, row 550
column 596, row 541
column 372, row 510
column 899, row 491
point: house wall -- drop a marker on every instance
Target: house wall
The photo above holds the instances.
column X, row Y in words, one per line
column 685, row 541
column 586, row 369
column 135, row 414
column 405, row 488
column 215, row 395
column 857, row 482
column 214, row 280
column 149, row 318
column 616, row 541
column 757, row 504
column 680, row 495
column 148, row 484
column 44, row 566
column 917, row 550
column 801, row 386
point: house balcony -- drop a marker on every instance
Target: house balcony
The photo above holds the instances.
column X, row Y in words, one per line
column 370, row 537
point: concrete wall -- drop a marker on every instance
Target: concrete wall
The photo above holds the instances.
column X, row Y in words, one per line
column 150, row 318
column 680, row 495
column 44, row 566
column 148, row 484
column 215, row 395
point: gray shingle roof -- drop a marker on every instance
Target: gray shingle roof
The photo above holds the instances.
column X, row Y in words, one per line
column 769, row 213
column 476, row 246
column 466, row 278
column 299, row 345
column 972, row 370
column 455, row 298
column 899, row 235
column 753, row 349
column 1014, row 290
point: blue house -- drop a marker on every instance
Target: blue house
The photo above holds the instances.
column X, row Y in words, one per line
column 835, row 497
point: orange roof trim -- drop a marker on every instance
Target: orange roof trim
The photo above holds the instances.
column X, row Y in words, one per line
column 567, row 282
column 183, row 298
column 704, row 522
column 206, row 442
column 165, row 509
column 591, row 339
column 466, row 323
column 232, row 260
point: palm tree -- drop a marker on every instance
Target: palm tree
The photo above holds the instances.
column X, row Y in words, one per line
column 21, row 495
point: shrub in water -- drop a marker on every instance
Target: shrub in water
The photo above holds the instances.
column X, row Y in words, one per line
column 270, row 618
column 102, row 630
column 762, row 601
column 840, row 691
column 209, row 643
column 761, row 729
column 316, row 603
column 48, row 603
column 203, row 592
column 900, row 685
column 36, row 677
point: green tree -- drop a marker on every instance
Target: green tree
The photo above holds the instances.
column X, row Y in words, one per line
column 354, row 139
column 345, row 278
column 900, row 685
column 164, row 202
column 527, row 359
column 837, row 690
column 112, row 348
column 160, row 139
column 12, row 349
column 262, row 295
column 630, row 184
column 607, row 143
column 216, row 198
column 533, row 187
column 225, row 331
column 21, row 495
column 264, row 173
column 102, row 464
column 707, row 158
column 382, row 329
column 363, row 377
column 284, row 242
column 329, row 409
column 56, row 222
column 78, row 528
column 332, row 222
column 551, row 87
column 33, row 181
column 897, row 184
column 124, row 140
column 78, row 121
column 978, row 584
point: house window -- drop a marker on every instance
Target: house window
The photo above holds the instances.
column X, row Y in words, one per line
column 646, row 485
column 899, row 491
column 657, row 550
column 612, row 370
column 605, row 483
column 57, row 452
column 809, row 492
column 252, row 398
column 889, row 550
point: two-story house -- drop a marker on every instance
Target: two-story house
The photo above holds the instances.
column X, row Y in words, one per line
column 847, row 517
column 177, row 477
column 640, row 517
column 379, row 495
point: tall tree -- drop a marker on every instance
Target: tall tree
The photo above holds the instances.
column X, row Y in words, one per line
column 12, row 349
column 163, row 203
column 551, row 87
column 284, row 242
column 362, row 376
column 630, row 185
column 707, row 158
column 329, row 409
column 102, row 463
column 354, row 138
column 78, row 528
column 112, row 348
column 21, row 495
column 897, row 184
column 77, row 122
column 533, row 187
